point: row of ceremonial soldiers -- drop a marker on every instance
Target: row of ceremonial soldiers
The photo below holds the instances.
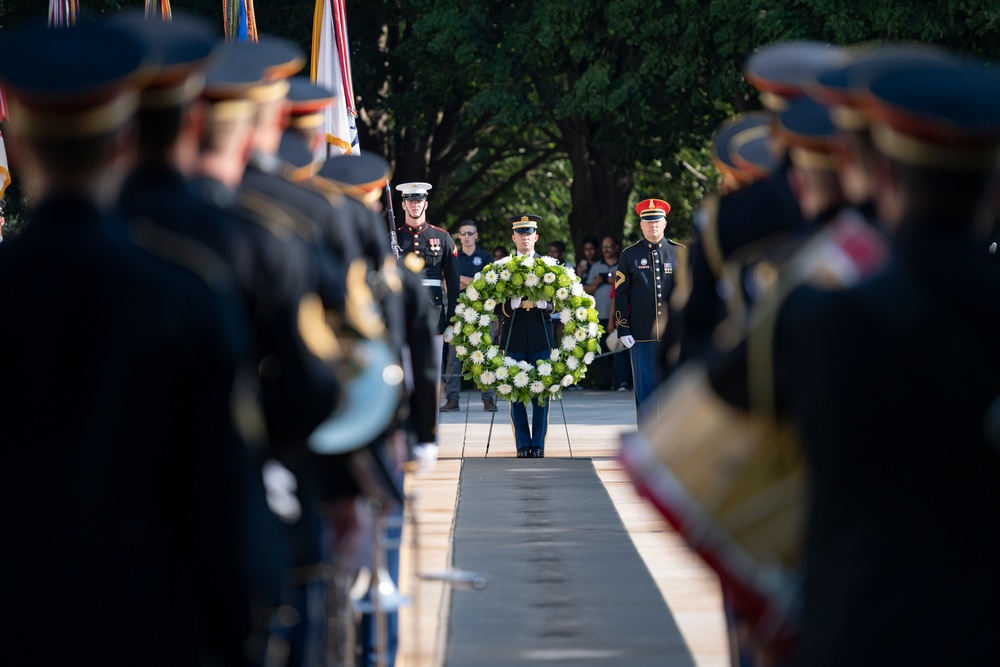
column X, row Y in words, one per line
column 843, row 289
column 203, row 340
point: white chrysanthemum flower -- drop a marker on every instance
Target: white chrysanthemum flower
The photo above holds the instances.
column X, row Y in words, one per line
column 580, row 314
column 562, row 293
column 461, row 351
column 521, row 380
column 491, row 277
column 565, row 315
column 504, row 389
column 588, row 358
column 505, row 275
column 554, row 389
column 470, row 315
column 592, row 300
column 536, row 387
column 489, row 304
column 572, row 363
column 477, row 357
column 503, row 373
column 472, row 293
column 479, row 274
column 567, row 380
column 580, row 335
column 484, row 320
column 509, row 361
column 531, row 280
column 487, row 378
column 592, row 329
column 492, row 351
column 524, row 365
column 503, row 260
column 449, row 333
column 577, row 289
column 527, row 262
column 570, row 271
column 549, row 278
column 568, row 343
column 544, row 369
column 554, row 355
column 475, row 338
column 551, row 261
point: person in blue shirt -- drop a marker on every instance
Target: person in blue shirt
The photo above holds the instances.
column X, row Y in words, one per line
column 471, row 260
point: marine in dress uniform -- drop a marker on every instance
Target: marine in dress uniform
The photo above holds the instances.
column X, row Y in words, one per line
column 526, row 335
column 647, row 274
column 122, row 414
column 432, row 248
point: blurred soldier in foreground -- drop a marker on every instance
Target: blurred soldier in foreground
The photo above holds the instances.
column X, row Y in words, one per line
column 123, row 414
column 849, row 375
column 763, row 210
column 412, row 323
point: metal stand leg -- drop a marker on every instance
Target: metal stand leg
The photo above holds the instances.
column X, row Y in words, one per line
column 489, row 436
column 561, row 407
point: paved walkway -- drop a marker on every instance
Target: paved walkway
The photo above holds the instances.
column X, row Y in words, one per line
column 594, row 420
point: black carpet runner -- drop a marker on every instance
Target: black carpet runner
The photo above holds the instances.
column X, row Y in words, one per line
column 567, row 585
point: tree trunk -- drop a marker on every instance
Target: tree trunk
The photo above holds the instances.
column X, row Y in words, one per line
column 599, row 195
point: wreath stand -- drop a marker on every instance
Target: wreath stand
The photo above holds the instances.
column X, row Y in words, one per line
column 493, row 415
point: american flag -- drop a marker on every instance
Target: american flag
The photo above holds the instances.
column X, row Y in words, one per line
column 331, row 68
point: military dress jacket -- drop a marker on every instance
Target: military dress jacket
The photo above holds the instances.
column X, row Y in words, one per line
column 646, row 277
column 118, row 414
column 437, row 255
column 724, row 225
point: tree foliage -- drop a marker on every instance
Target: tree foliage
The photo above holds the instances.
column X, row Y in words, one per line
column 574, row 111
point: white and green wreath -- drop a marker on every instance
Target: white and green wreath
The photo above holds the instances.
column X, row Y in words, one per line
column 533, row 279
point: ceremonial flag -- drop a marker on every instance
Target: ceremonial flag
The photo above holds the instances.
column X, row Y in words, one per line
column 331, row 68
column 165, row 12
column 4, row 167
column 63, row 13
column 241, row 24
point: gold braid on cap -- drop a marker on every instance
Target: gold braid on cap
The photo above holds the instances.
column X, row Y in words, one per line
column 73, row 125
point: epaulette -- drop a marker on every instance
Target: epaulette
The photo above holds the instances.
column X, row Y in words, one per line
column 673, row 242
column 711, row 246
column 390, row 274
column 413, row 263
column 278, row 219
column 326, row 189
column 182, row 251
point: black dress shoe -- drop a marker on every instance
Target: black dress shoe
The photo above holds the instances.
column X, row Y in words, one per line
column 523, row 454
column 537, row 453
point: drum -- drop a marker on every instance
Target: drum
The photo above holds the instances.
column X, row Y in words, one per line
column 733, row 485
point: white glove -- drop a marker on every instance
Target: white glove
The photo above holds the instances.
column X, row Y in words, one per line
column 627, row 341
column 515, row 302
column 425, row 456
column 280, row 486
column 542, row 304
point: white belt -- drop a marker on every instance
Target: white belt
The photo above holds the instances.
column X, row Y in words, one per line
column 431, row 283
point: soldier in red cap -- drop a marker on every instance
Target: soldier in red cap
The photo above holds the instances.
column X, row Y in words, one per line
column 644, row 283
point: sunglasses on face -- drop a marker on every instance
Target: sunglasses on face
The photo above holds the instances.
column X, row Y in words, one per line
column 524, row 231
column 466, row 233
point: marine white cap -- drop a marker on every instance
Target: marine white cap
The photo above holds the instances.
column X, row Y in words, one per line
column 414, row 190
